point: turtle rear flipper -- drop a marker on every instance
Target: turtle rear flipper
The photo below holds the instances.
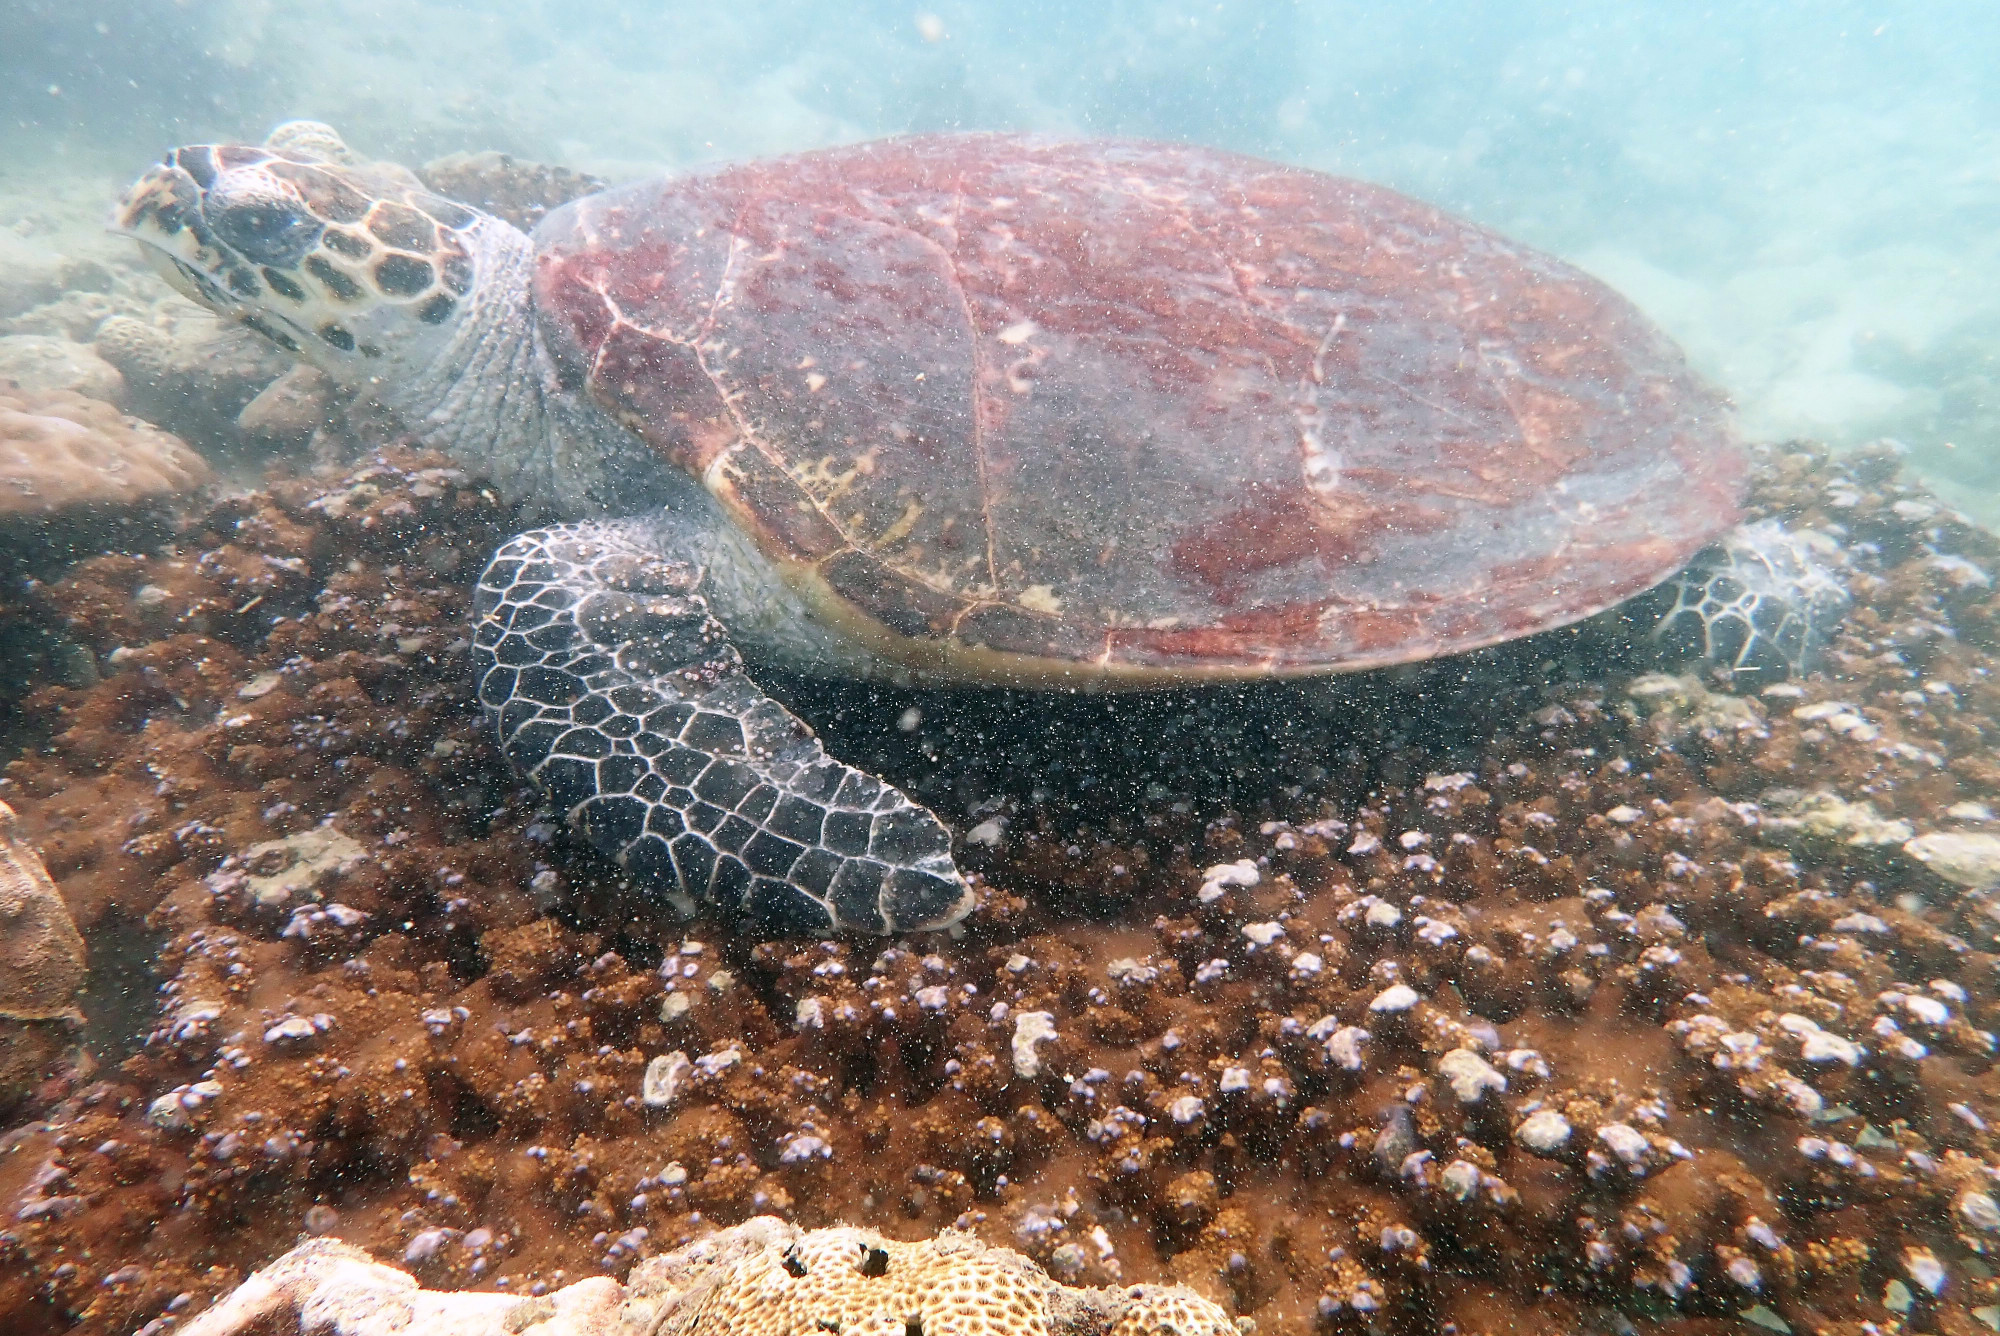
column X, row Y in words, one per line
column 618, row 694
column 1763, row 602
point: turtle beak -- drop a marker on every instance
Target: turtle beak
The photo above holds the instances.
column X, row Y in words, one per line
column 162, row 212
column 160, row 203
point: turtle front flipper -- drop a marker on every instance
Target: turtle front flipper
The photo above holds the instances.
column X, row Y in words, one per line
column 618, row 694
column 1763, row 601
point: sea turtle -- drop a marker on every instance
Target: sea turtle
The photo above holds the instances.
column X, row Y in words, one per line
column 985, row 407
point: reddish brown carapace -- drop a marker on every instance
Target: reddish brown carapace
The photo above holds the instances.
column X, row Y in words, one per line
column 1138, row 407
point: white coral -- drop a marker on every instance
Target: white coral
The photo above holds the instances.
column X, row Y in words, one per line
column 768, row 1276
column 1031, row 1028
column 1470, row 1075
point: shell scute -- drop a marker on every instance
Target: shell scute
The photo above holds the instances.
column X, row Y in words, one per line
column 1143, row 409
column 764, row 488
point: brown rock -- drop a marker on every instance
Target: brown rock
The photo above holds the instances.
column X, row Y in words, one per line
column 1193, row 1197
column 521, row 961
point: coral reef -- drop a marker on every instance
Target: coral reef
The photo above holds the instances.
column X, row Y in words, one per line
column 1551, row 988
column 191, row 373
column 29, row 275
column 76, row 477
column 762, row 1276
column 94, row 319
column 110, row 329
column 35, row 275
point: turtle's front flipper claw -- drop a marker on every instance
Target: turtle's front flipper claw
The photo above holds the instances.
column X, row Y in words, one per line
column 622, row 698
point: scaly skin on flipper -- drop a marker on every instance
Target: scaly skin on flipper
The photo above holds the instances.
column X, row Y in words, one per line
column 1764, row 600
column 622, row 698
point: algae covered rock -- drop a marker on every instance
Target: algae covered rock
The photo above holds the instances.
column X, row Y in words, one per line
column 41, row 967
column 1679, row 704
column 1824, row 817
column 282, row 873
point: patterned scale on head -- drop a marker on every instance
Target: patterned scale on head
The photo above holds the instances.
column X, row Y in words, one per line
column 329, row 258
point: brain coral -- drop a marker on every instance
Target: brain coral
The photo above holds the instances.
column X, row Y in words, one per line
column 59, row 449
column 140, row 349
column 761, row 1278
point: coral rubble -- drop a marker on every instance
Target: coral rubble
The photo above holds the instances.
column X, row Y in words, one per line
column 1551, row 989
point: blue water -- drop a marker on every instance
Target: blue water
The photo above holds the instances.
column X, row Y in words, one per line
column 1803, row 193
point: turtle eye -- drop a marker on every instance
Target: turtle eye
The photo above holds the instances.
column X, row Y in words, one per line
column 267, row 231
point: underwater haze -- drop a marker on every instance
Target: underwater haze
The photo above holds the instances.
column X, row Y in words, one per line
column 1802, row 193
column 641, row 697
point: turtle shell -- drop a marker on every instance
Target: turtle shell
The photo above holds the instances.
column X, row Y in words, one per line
column 1010, row 408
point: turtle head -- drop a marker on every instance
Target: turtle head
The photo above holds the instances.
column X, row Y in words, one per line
column 351, row 266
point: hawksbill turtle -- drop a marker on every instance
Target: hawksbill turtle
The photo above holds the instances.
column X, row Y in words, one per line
column 988, row 408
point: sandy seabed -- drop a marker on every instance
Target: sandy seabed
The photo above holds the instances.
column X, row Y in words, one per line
column 1544, row 987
